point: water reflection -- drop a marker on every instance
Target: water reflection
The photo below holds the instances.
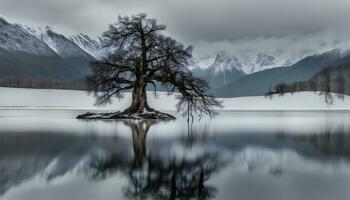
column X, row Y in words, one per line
column 330, row 144
column 139, row 131
column 153, row 177
column 25, row 156
column 299, row 154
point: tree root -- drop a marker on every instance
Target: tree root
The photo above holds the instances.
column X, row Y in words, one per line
column 125, row 115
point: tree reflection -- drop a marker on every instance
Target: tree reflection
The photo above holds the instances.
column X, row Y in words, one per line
column 155, row 177
column 139, row 131
column 329, row 142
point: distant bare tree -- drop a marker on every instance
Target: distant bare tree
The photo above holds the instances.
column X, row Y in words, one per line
column 341, row 87
column 269, row 94
column 143, row 56
column 327, row 89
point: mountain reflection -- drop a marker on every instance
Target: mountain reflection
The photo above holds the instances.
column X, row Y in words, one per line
column 329, row 143
column 151, row 176
column 144, row 161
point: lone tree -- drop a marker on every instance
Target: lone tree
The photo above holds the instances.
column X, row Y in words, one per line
column 140, row 56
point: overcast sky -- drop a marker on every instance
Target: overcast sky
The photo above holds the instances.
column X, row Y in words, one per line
column 209, row 25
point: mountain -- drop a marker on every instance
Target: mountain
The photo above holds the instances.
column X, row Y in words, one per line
column 66, row 49
column 260, row 82
column 218, row 70
column 26, row 53
column 91, row 46
column 223, row 68
column 245, row 63
column 22, row 55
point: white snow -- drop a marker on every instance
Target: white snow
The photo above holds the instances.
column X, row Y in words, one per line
column 17, row 98
column 296, row 101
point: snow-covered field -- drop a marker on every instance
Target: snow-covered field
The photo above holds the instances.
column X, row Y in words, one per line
column 12, row 98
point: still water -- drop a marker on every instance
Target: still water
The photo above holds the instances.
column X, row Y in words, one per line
column 47, row 154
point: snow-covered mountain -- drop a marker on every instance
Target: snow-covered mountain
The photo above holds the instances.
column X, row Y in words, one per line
column 91, row 46
column 65, row 48
column 59, row 43
column 217, row 71
column 22, row 55
column 223, row 62
column 223, row 68
column 234, row 76
column 14, row 37
column 39, row 55
column 260, row 82
column 42, row 53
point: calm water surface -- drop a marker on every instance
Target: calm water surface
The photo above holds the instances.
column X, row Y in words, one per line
column 47, row 154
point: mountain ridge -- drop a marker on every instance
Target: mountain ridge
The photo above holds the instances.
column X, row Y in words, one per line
column 261, row 82
column 42, row 53
column 66, row 49
column 23, row 55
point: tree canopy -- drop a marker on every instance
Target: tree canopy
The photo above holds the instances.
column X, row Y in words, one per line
column 141, row 55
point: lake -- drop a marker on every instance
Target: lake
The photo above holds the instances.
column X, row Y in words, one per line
column 48, row 154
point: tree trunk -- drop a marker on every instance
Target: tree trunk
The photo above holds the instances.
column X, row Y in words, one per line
column 139, row 100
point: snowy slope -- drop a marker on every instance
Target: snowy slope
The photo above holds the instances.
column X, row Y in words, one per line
column 22, row 55
column 88, row 44
column 14, row 38
column 223, row 62
column 65, row 99
column 59, row 43
column 65, row 48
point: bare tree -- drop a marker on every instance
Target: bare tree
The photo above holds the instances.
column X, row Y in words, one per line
column 326, row 88
column 341, row 87
column 143, row 56
column 270, row 93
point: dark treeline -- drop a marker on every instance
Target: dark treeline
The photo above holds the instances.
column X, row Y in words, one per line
column 16, row 82
column 330, row 80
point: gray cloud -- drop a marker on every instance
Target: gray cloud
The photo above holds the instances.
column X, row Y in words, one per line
column 196, row 22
